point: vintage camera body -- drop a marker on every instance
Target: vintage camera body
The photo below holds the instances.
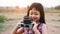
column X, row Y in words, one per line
column 26, row 23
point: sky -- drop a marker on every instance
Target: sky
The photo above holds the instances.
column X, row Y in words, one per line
column 25, row 3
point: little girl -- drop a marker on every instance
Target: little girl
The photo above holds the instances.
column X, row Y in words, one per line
column 36, row 13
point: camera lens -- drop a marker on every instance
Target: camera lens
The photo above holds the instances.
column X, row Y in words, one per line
column 27, row 26
column 27, row 20
column 22, row 25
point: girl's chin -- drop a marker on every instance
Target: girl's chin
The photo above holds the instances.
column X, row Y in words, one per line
column 34, row 20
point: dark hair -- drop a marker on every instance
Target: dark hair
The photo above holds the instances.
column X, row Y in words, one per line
column 38, row 7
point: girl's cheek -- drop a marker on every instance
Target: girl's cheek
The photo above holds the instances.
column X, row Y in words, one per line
column 30, row 17
column 38, row 16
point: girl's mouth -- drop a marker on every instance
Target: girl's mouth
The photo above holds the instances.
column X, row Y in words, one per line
column 34, row 19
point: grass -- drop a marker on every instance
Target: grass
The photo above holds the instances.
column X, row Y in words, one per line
column 56, row 26
column 52, row 11
column 1, row 27
column 4, row 26
column 59, row 15
column 13, row 19
column 53, row 20
column 56, row 20
column 2, row 18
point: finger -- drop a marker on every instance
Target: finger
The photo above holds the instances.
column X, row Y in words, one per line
column 34, row 22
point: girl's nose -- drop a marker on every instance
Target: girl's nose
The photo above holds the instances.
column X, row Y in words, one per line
column 33, row 16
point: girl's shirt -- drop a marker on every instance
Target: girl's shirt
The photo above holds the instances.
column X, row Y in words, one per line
column 30, row 31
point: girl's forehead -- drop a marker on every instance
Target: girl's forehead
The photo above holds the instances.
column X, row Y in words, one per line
column 34, row 11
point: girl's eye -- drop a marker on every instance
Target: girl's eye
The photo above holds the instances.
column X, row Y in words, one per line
column 36, row 14
column 31, row 13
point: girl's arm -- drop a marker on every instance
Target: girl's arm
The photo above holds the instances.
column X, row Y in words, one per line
column 44, row 29
column 15, row 30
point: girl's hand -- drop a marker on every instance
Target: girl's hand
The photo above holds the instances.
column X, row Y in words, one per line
column 35, row 25
column 35, row 28
column 20, row 31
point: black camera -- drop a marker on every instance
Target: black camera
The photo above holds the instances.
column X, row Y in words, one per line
column 26, row 23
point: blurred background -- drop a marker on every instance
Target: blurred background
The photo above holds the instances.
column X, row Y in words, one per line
column 12, row 11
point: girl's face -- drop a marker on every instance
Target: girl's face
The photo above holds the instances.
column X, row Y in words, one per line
column 34, row 15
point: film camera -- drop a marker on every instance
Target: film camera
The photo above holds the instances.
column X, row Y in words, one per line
column 26, row 23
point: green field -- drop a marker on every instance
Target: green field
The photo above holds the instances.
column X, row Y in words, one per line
column 52, row 19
